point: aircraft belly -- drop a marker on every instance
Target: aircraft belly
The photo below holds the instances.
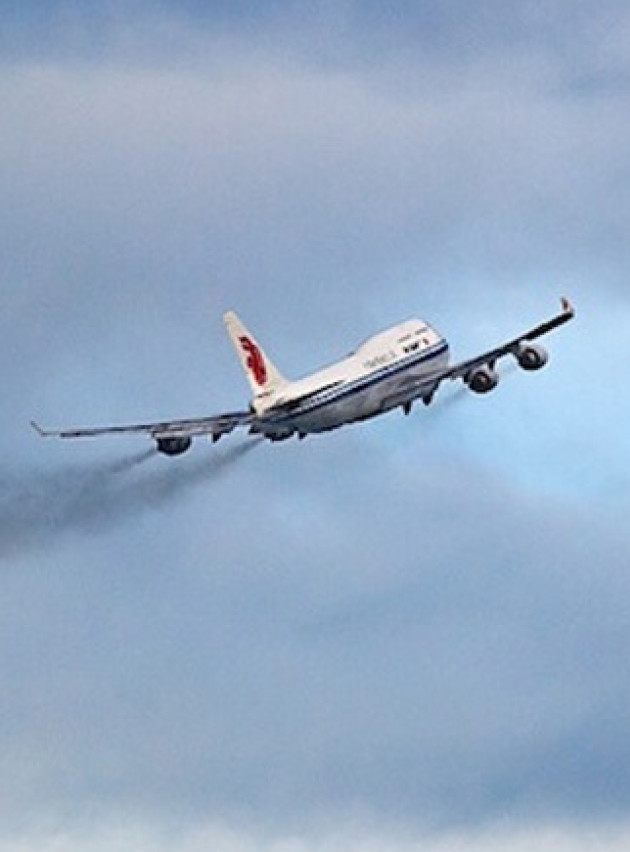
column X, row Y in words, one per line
column 357, row 406
column 363, row 403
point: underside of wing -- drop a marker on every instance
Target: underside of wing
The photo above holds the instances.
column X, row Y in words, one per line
column 172, row 436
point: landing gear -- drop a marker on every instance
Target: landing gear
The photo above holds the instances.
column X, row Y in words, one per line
column 406, row 407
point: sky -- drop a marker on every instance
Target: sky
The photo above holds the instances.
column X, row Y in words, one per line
column 409, row 634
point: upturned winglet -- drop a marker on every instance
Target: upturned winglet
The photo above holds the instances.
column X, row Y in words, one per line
column 41, row 432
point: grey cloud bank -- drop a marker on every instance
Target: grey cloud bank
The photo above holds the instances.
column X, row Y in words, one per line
column 458, row 673
column 418, row 624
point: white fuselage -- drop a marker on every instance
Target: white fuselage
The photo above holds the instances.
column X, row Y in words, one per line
column 384, row 372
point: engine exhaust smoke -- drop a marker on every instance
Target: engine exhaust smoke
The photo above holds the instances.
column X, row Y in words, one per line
column 36, row 507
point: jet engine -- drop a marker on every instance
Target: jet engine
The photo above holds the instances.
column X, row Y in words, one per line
column 531, row 357
column 173, row 446
column 482, row 379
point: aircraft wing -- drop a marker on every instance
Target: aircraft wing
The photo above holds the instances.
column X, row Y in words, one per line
column 215, row 426
column 463, row 369
column 425, row 386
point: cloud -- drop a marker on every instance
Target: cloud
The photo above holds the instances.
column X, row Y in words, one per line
column 421, row 619
column 222, row 838
column 286, row 653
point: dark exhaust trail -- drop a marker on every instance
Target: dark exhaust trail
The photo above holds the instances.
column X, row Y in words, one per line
column 38, row 506
column 125, row 464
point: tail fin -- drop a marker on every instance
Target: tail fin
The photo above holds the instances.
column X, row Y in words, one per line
column 264, row 378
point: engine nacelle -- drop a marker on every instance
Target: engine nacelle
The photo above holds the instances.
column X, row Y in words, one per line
column 482, row 380
column 531, row 357
column 173, row 446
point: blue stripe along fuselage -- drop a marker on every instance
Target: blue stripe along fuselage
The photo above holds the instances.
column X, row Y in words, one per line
column 335, row 395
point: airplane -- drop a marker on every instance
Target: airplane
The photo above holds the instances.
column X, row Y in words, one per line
column 391, row 369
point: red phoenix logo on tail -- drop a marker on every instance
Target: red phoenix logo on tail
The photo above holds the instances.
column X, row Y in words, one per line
column 255, row 360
